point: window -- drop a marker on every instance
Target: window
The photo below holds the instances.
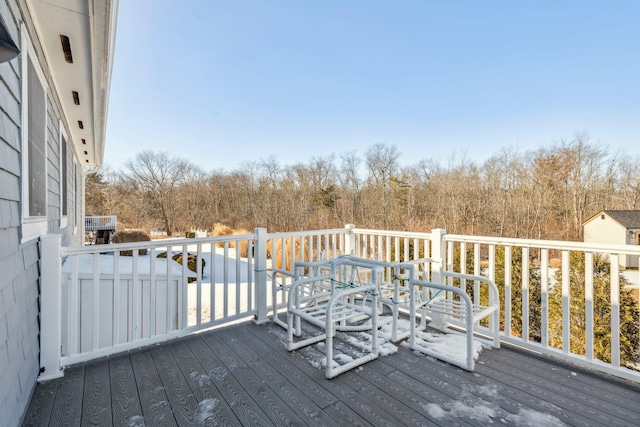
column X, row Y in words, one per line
column 34, row 144
column 64, row 178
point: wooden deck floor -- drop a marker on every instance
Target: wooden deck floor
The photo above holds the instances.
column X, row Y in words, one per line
column 242, row 375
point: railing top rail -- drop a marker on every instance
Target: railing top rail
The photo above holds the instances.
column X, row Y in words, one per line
column 410, row 234
column 280, row 235
column 161, row 243
column 548, row 244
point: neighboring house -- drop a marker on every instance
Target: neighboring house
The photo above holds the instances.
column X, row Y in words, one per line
column 616, row 228
column 53, row 105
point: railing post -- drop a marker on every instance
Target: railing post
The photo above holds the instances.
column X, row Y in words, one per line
column 438, row 253
column 349, row 239
column 260, row 255
column 50, row 308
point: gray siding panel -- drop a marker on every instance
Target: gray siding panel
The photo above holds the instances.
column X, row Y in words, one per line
column 9, row 159
column 19, row 269
column 10, row 188
column 9, row 132
column 11, row 109
column 9, row 238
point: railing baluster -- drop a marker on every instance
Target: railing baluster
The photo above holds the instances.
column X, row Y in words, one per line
column 525, row 294
column 96, row 302
column 615, row 310
column 199, row 285
column 117, row 320
column 170, row 312
column 491, row 274
column 566, row 288
column 238, row 262
column 225, row 289
column 212, row 281
column 544, row 297
column 250, row 275
column 152, row 291
column 588, row 307
column 463, row 258
column 137, row 298
column 73, row 308
column 184, row 295
column 507, row 290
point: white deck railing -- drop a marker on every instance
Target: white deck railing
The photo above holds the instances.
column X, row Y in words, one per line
column 94, row 223
column 97, row 302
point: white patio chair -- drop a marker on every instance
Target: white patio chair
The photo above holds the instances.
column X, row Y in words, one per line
column 346, row 299
column 452, row 311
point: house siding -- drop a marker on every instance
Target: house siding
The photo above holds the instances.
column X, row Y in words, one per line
column 609, row 231
column 20, row 262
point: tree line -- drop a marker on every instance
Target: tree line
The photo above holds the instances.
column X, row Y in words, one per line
column 543, row 193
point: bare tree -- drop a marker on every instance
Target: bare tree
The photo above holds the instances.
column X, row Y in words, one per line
column 155, row 179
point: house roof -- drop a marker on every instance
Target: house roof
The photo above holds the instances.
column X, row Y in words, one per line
column 90, row 28
column 626, row 218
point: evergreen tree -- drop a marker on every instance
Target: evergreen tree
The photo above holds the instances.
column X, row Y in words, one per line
column 516, row 289
column 629, row 322
column 534, row 292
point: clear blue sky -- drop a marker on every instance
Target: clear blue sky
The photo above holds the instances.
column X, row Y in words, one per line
column 225, row 82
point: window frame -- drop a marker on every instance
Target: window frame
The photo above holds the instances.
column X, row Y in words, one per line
column 32, row 226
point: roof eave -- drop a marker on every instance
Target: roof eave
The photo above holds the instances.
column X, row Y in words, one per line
column 90, row 26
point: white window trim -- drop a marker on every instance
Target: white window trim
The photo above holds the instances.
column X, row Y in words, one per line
column 62, row 138
column 32, row 227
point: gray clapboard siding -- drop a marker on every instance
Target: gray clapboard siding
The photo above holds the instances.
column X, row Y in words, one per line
column 9, row 159
column 18, row 306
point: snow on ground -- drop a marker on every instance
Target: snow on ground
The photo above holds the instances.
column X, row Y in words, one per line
column 633, row 277
column 207, row 409
column 483, row 403
column 125, row 265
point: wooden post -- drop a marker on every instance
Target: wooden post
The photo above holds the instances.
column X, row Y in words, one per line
column 50, row 308
column 261, row 275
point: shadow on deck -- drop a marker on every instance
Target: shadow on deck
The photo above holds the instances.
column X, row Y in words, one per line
column 242, row 375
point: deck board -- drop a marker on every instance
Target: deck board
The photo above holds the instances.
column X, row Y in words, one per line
column 67, row 407
column 203, row 387
column 236, row 397
column 278, row 383
column 96, row 392
column 153, row 398
column 272, row 405
column 125, row 401
column 179, row 395
column 588, row 382
column 41, row 405
column 558, row 393
column 241, row 375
